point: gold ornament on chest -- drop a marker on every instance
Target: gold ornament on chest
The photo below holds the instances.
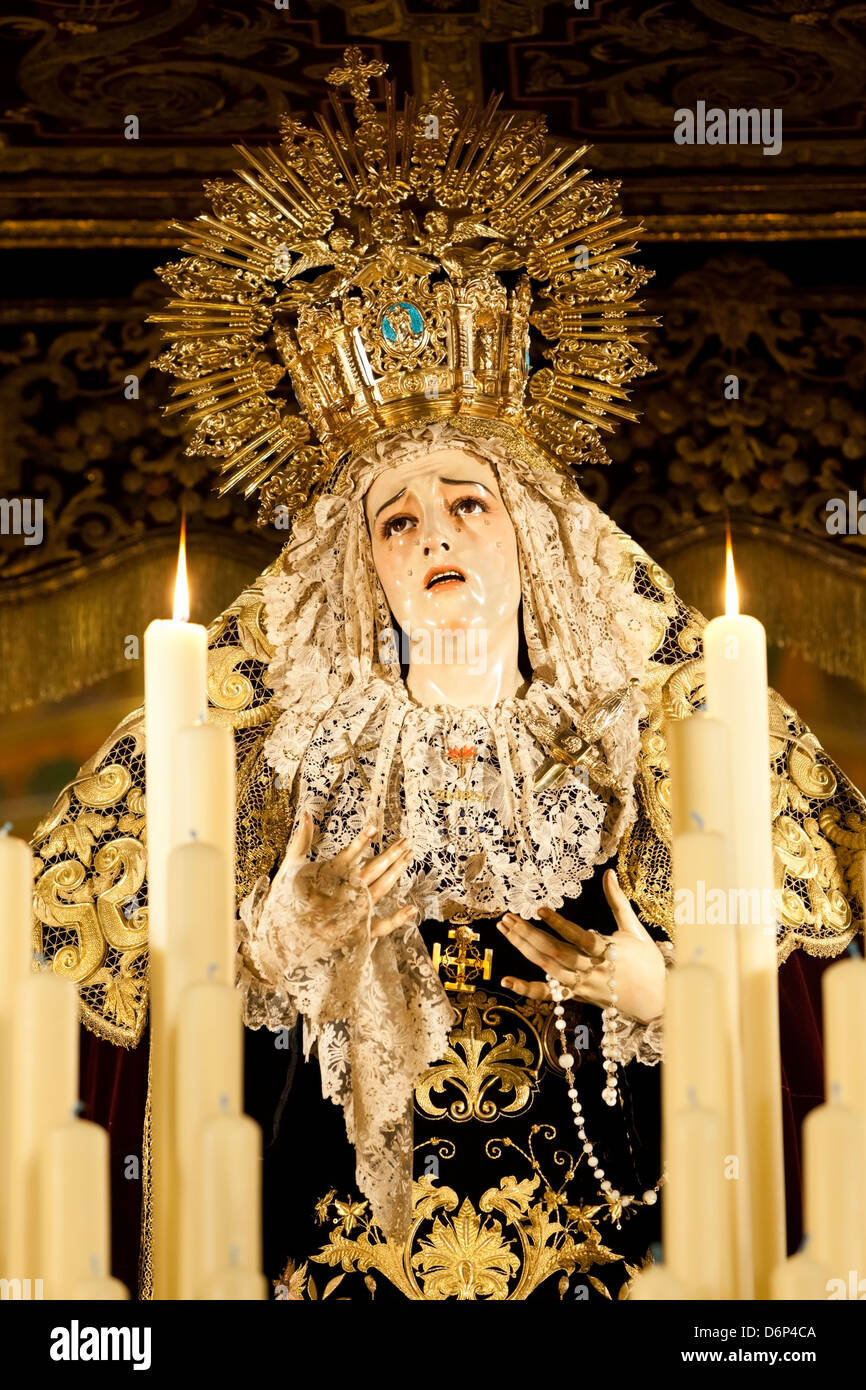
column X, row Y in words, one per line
column 462, row 965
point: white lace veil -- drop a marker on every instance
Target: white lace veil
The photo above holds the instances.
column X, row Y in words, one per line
column 587, row 631
column 378, row 1013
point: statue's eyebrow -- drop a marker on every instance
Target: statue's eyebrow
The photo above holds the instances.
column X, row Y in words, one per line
column 395, row 498
column 464, row 482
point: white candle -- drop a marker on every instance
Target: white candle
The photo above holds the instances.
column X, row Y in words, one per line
column 204, row 812
column 696, row 1241
column 16, row 927
column 800, row 1278
column 175, row 696
column 736, row 683
column 657, row 1285
column 76, row 1206
column 232, row 1284
column 44, row 1094
column 698, row 1228
column 844, row 999
column 210, row 1083
column 99, row 1291
column 702, row 875
column 230, row 1196
column 834, row 1159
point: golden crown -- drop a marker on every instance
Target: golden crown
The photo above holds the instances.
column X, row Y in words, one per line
column 417, row 263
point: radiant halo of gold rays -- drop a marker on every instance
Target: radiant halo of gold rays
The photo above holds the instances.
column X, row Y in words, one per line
column 397, row 266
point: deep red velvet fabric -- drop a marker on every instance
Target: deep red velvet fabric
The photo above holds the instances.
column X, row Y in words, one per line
column 114, row 1091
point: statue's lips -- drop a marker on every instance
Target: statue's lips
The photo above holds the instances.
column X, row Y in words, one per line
column 443, row 577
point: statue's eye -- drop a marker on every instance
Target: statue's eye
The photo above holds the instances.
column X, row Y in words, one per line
column 396, row 525
column 468, row 506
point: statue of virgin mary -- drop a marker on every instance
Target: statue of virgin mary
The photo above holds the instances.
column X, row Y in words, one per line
column 409, row 330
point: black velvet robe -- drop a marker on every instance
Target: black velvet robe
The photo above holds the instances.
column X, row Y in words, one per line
column 495, row 1217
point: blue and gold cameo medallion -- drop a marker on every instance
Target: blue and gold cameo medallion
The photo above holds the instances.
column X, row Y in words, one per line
column 402, row 326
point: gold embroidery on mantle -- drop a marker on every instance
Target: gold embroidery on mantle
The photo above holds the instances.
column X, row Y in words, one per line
column 519, row 1234
column 477, row 1061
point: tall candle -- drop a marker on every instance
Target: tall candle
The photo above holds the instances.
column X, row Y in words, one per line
column 800, row 1278
column 75, row 1206
column 702, row 873
column 844, row 1000
column 44, row 1092
column 694, row 1071
column 204, row 812
column 696, row 1241
column 834, row 1158
column 210, row 1083
column 230, row 1196
column 657, row 1285
column 16, row 925
column 735, row 654
column 175, row 696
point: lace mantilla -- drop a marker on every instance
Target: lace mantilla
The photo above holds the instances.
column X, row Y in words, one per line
column 354, row 748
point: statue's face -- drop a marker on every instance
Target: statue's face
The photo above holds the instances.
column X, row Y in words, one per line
column 444, row 546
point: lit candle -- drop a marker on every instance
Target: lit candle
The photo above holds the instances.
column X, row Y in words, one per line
column 210, row 1083
column 16, row 926
column 175, row 696
column 75, row 1226
column 230, row 1196
column 735, row 654
column 44, row 1093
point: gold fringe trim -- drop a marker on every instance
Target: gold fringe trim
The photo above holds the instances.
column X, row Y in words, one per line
column 145, row 1258
column 63, row 633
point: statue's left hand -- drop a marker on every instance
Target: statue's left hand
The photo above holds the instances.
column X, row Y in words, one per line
column 577, row 961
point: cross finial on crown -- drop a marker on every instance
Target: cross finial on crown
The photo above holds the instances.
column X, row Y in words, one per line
column 355, row 74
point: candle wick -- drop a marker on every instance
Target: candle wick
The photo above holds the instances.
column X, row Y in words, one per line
column 212, row 969
column 94, row 1266
column 697, row 953
column 234, row 1255
column 224, row 1102
column 835, row 1090
column 699, row 820
column 4, row 829
column 193, row 835
column 693, row 1095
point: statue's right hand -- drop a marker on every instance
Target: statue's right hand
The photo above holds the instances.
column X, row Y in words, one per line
column 323, row 882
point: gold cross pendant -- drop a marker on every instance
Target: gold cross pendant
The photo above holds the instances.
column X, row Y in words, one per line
column 465, row 964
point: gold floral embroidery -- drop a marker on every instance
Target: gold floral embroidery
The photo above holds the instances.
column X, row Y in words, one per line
column 477, row 1062
column 519, row 1234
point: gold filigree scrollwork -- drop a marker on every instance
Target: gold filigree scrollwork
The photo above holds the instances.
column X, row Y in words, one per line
column 479, row 1061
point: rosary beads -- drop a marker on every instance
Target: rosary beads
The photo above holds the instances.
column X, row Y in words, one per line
column 566, row 1060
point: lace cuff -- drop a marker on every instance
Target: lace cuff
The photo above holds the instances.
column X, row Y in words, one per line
column 634, row 1041
column 376, row 1008
column 264, row 1004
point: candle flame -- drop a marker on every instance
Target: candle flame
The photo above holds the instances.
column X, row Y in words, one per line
column 732, row 598
column 181, row 585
